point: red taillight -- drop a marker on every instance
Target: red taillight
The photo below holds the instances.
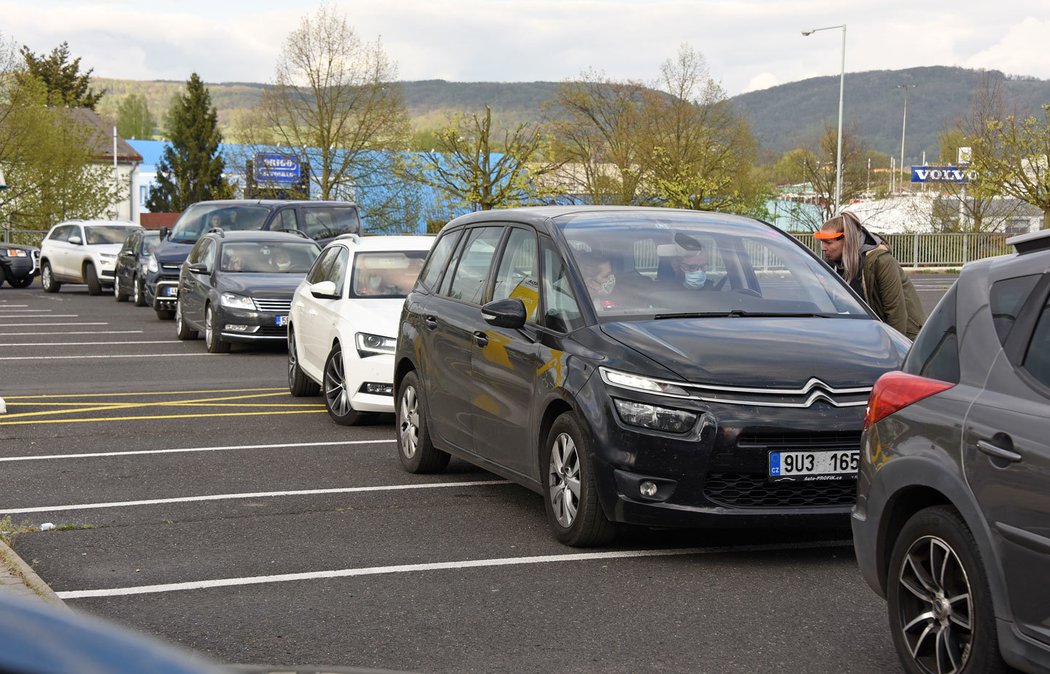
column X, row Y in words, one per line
column 896, row 390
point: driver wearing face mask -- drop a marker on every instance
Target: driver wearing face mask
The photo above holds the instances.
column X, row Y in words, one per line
column 691, row 270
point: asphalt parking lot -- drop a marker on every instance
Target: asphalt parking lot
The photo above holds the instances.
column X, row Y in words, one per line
column 196, row 500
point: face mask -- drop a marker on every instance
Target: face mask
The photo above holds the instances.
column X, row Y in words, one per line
column 695, row 279
column 607, row 286
column 374, row 281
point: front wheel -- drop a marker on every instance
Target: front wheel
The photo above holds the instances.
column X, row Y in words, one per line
column 47, row 279
column 940, row 607
column 21, row 283
column 299, row 385
column 336, row 395
column 570, row 490
column 212, row 334
column 416, row 451
column 182, row 329
column 91, row 279
column 138, row 292
column 117, row 295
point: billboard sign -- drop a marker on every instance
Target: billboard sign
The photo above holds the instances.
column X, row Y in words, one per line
column 941, row 174
column 277, row 171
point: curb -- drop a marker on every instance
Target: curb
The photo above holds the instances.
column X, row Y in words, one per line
column 11, row 563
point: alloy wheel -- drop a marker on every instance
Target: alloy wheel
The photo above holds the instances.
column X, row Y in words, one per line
column 335, row 387
column 936, row 607
column 563, row 474
column 408, row 426
column 209, row 330
column 136, row 292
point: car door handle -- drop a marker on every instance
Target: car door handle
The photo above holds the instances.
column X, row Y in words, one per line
column 431, row 322
column 997, row 452
column 480, row 338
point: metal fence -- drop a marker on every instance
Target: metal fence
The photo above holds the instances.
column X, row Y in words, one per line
column 936, row 250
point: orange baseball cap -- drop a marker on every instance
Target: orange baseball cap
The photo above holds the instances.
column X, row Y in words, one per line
column 828, row 236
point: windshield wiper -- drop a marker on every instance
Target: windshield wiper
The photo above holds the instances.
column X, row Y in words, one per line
column 740, row 313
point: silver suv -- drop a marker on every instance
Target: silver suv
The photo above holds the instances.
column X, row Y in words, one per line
column 82, row 252
column 952, row 522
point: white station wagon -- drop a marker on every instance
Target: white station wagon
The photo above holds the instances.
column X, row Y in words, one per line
column 343, row 323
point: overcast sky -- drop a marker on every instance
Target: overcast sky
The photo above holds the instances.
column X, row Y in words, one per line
column 748, row 44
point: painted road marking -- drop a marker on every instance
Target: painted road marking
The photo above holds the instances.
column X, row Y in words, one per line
column 146, row 417
column 46, row 325
column 23, row 311
column 50, row 457
column 158, row 341
column 22, row 315
column 118, row 355
column 446, row 566
column 53, row 396
column 261, row 494
column 73, row 332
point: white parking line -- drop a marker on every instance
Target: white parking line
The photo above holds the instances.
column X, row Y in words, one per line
column 445, row 566
column 260, row 494
column 157, row 341
column 47, row 325
column 22, row 310
column 139, row 452
column 22, row 314
column 117, row 355
column 73, row 332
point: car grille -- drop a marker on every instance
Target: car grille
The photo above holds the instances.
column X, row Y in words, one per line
column 272, row 331
column 281, row 306
column 788, row 440
column 738, row 490
column 805, row 396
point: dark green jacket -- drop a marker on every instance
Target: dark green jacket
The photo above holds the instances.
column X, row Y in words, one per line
column 890, row 292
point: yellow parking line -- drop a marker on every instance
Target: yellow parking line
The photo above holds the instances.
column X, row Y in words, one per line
column 144, row 393
column 159, row 416
column 103, row 407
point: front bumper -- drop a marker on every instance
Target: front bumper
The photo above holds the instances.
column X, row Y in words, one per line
column 22, row 267
column 375, row 370
column 247, row 325
column 163, row 293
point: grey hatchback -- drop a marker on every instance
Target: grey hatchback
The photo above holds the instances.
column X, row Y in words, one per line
column 952, row 521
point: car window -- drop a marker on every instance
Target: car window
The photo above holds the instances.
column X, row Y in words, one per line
column 337, row 271
column 518, row 274
column 200, row 218
column 103, row 234
column 149, row 242
column 130, row 242
column 1006, row 299
column 561, row 311
column 325, row 222
column 195, row 252
column 472, row 267
column 440, row 254
column 207, row 254
column 1037, row 359
column 321, row 271
column 269, row 257
column 385, row 274
column 285, row 219
column 935, row 353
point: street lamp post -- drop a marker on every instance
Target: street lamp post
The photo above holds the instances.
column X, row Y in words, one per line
column 842, row 82
column 904, row 126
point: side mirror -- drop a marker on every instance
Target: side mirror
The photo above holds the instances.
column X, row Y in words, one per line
column 75, row 240
column 324, row 290
column 198, row 268
column 509, row 313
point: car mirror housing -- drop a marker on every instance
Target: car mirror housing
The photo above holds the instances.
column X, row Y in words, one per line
column 324, row 290
column 509, row 313
column 163, row 232
column 75, row 240
column 198, row 268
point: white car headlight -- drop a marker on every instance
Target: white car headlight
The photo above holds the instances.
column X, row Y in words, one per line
column 153, row 265
column 236, row 301
column 639, row 383
column 370, row 345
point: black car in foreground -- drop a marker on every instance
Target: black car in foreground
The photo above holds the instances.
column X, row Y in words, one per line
column 19, row 265
column 238, row 286
column 321, row 221
column 129, row 273
column 952, row 522
column 646, row 366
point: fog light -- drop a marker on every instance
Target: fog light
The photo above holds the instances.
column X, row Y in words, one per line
column 647, row 489
column 230, row 327
column 378, row 389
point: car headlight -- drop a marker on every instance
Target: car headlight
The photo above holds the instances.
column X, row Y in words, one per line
column 654, row 416
column 14, row 252
column 153, row 265
column 236, row 301
column 637, row 382
column 106, row 257
column 370, row 345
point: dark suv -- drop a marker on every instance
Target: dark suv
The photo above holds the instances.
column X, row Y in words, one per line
column 647, row 366
column 952, row 522
column 319, row 220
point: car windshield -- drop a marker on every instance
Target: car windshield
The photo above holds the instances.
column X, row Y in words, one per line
column 102, row 234
column 670, row 265
column 202, row 217
column 268, row 257
column 386, row 274
column 149, row 242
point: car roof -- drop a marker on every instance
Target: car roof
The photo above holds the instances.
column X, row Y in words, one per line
column 89, row 223
column 377, row 243
column 542, row 216
column 261, row 236
column 273, row 202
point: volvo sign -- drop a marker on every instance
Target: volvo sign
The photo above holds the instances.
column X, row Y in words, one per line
column 942, row 174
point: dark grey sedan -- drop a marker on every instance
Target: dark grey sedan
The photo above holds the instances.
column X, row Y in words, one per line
column 238, row 286
column 952, row 522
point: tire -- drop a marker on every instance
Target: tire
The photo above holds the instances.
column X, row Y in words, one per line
column 925, row 624
column 414, row 447
column 3, row 277
column 212, row 338
column 569, row 488
column 91, row 279
column 117, row 295
column 47, row 278
column 182, row 329
column 165, row 314
column 21, row 283
column 139, row 293
column 336, row 397
column 299, row 385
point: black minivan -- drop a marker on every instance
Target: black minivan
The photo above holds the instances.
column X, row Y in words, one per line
column 640, row 365
column 321, row 221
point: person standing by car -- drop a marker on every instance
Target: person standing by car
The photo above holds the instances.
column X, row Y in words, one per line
column 864, row 260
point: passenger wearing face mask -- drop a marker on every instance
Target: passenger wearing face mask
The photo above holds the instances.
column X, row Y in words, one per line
column 599, row 278
column 691, row 270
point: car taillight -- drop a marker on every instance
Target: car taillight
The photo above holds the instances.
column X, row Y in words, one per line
column 896, row 390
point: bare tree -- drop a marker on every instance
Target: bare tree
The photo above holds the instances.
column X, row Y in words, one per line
column 818, row 169
column 335, row 105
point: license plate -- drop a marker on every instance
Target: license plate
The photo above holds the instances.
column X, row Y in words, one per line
column 171, row 291
column 282, row 320
column 813, row 466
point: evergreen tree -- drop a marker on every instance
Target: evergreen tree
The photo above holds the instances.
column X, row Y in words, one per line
column 190, row 168
column 62, row 79
column 134, row 119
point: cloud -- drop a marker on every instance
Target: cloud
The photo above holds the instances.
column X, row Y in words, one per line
column 1021, row 50
column 761, row 81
